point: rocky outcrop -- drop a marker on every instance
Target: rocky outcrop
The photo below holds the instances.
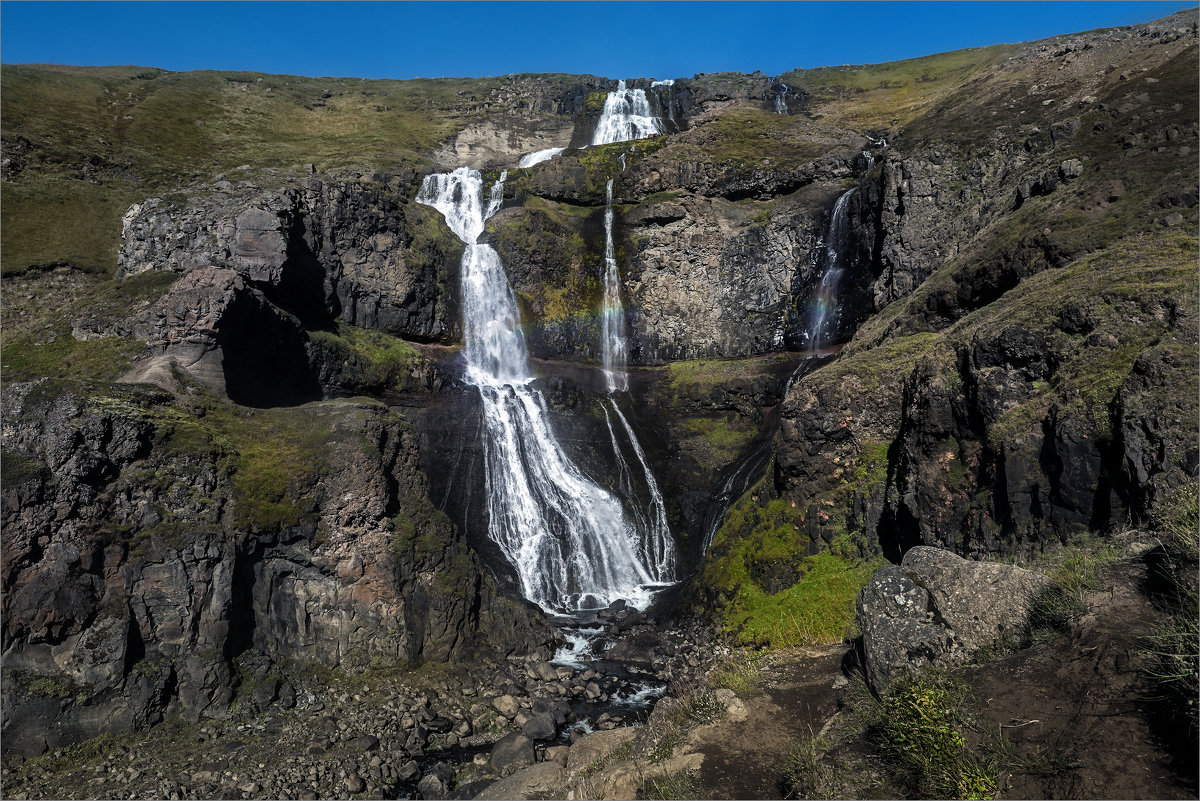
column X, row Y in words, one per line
column 322, row 248
column 158, row 561
column 226, row 335
column 936, row 610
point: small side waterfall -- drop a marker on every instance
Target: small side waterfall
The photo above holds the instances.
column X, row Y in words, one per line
column 612, row 314
column 670, row 84
column 627, row 115
column 538, row 156
column 570, row 541
column 657, row 536
column 781, row 99
column 824, row 309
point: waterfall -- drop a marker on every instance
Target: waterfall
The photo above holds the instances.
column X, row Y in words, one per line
column 612, row 314
column 670, row 84
column 825, row 302
column 781, row 99
column 570, row 542
column 538, row 156
column 657, row 547
column 627, row 115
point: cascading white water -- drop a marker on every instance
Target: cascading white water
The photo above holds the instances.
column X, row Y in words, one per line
column 538, row 156
column 569, row 540
column 627, row 115
column 825, row 302
column 612, row 314
column 781, row 99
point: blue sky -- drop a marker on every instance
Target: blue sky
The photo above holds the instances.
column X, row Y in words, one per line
column 626, row 39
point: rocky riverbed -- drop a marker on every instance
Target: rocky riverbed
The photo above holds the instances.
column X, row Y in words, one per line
column 435, row 732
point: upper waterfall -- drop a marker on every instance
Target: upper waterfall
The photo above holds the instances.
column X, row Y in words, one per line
column 781, row 99
column 627, row 115
column 572, row 544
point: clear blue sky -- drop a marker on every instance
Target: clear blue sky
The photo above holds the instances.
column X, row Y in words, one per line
column 628, row 39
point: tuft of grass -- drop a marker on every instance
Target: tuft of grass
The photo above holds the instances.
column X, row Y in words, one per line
column 919, row 731
column 672, row 786
column 1172, row 649
column 738, row 673
column 806, row 774
column 1074, row 571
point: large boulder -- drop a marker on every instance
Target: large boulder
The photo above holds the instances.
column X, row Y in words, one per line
column 936, row 609
column 511, row 753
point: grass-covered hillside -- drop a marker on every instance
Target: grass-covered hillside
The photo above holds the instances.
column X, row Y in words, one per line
column 83, row 143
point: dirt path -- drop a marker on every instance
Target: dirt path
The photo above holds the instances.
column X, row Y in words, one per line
column 1077, row 706
column 745, row 759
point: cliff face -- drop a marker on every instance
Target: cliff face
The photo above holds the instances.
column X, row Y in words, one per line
column 189, row 495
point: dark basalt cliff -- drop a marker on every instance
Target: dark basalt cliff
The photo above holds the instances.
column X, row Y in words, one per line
column 245, row 452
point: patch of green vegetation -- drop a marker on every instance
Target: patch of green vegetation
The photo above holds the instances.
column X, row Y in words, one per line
column 724, row 438
column 805, row 773
column 423, row 534
column 63, row 356
column 374, row 360
column 273, row 457
column 660, row 197
column 919, row 729
column 881, row 96
column 16, row 468
column 62, row 220
column 764, row 588
column 602, row 162
column 1074, row 571
column 701, row 376
column 1172, row 649
column 50, row 686
column 887, row 364
column 748, row 137
column 595, row 101
column 738, row 673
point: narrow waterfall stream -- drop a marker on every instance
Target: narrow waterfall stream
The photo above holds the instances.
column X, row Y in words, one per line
column 571, row 542
column 825, row 302
column 781, row 99
column 612, row 313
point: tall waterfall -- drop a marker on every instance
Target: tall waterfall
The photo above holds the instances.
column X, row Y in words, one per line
column 627, row 115
column 825, row 303
column 569, row 540
column 781, row 99
column 612, row 314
